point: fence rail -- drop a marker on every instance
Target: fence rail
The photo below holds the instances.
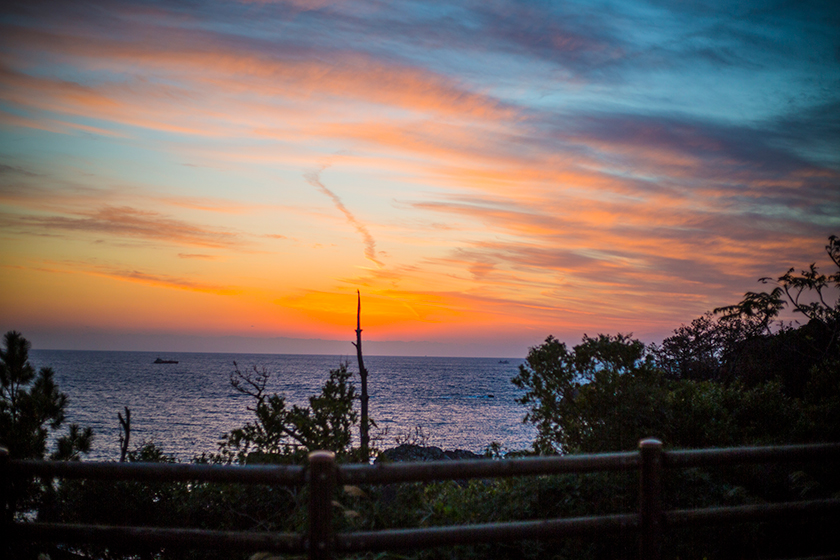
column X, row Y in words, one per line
column 323, row 475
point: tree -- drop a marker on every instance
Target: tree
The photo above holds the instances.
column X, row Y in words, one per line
column 712, row 348
column 31, row 406
column 788, row 353
column 286, row 431
column 551, row 381
column 609, row 392
column 807, row 292
column 572, row 393
column 811, row 282
column 364, row 433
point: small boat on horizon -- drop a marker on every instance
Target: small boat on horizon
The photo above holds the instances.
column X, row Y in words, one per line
column 504, row 362
column 159, row 361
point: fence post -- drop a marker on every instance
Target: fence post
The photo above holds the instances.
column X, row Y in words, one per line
column 5, row 501
column 650, row 499
column 5, row 486
column 322, row 477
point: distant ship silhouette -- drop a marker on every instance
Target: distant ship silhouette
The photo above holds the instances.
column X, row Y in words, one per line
column 159, row 361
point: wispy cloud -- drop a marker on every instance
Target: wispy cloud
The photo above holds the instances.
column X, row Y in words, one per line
column 135, row 276
column 197, row 256
column 126, row 222
column 314, row 179
column 164, row 281
column 14, row 170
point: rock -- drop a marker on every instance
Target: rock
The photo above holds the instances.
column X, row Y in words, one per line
column 412, row 453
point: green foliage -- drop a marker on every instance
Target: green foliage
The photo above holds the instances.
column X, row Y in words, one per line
column 608, row 393
column 811, row 283
column 822, row 400
column 551, row 381
column 756, row 311
column 201, row 505
column 119, row 502
column 700, row 350
column 575, row 396
column 282, row 432
column 126, row 503
column 707, row 414
column 580, row 407
column 31, row 406
column 730, row 378
column 738, row 343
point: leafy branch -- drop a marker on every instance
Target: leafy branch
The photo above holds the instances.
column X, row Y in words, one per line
column 807, row 293
column 280, row 429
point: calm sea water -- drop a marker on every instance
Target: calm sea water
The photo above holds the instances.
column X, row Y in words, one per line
column 186, row 407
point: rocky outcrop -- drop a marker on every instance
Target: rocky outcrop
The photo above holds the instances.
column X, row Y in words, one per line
column 412, row 453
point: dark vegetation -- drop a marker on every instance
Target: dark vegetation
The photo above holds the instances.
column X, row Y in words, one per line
column 732, row 377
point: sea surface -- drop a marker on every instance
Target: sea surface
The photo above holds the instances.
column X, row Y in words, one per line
column 185, row 408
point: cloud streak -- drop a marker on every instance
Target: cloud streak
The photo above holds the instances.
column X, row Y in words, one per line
column 164, row 281
column 127, row 222
column 138, row 277
column 314, row 179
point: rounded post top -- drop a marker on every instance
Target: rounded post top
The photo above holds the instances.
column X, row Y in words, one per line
column 321, row 457
column 650, row 443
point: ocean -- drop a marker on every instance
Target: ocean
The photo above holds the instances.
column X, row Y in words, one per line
column 185, row 408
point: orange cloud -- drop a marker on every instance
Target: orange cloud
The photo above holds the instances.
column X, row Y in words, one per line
column 163, row 281
column 226, row 72
column 131, row 223
column 53, row 125
column 135, row 276
column 197, row 256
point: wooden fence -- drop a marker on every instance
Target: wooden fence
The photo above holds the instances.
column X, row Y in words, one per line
column 323, row 475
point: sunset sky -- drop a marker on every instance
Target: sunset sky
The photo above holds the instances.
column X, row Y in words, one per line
column 223, row 176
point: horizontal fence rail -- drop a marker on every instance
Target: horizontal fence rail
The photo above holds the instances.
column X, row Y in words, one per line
column 146, row 537
column 409, row 539
column 389, row 473
column 323, row 475
column 286, row 475
column 734, row 455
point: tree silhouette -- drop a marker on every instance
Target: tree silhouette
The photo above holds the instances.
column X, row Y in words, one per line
column 807, row 293
column 289, row 432
column 364, row 427
column 31, row 406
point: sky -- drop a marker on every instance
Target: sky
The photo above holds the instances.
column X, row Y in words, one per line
column 224, row 176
